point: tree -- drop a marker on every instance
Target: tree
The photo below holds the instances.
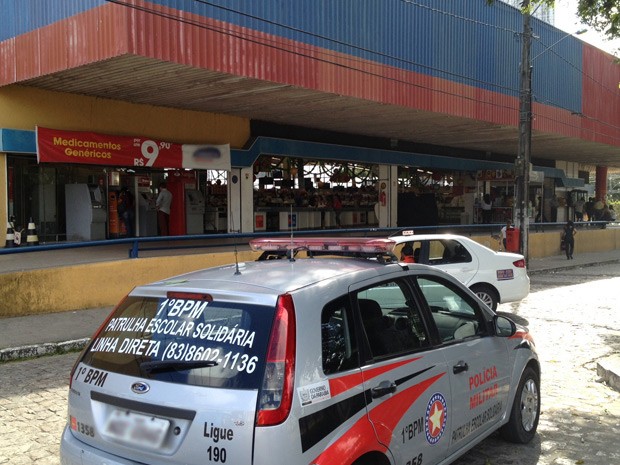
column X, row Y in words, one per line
column 602, row 15
column 532, row 4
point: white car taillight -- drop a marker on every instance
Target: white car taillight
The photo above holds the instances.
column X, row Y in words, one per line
column 276, row 394
column 519, row 263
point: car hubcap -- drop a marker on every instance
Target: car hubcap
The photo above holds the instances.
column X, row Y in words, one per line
column 486, row 298
column 529, row 405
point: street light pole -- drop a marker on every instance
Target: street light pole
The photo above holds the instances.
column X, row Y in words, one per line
column 524, row 156
column 522, row 168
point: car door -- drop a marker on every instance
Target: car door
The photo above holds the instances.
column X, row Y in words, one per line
column 406, row 382
column 478, row 362
column 453, row 257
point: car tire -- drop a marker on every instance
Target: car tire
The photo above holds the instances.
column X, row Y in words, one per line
column 373, row 458
column 525, row 412
column 487, row 294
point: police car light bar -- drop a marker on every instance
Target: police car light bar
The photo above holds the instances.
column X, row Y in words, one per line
column 325, row 244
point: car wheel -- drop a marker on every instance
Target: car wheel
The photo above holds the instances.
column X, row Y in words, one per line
column 374, row 458
column 525, row 412
column 487, row 294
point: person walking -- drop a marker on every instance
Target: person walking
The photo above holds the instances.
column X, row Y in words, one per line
column 164, row 199
column 568, row 236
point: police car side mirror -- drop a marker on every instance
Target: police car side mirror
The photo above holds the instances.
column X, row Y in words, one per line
column 504, row 327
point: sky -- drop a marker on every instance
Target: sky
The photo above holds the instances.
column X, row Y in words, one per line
column 567, row 20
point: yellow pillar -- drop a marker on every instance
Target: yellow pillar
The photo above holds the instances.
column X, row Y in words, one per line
column 3, row 198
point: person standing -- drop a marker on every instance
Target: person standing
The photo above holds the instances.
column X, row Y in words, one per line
column 504, row 233
column 579, row 205
column 598, row 209
column 568, row 236
column 487, row 205
column 337, row 206
column 126, row 207
column 164, row 199
column 555, row 203
column 589, row 208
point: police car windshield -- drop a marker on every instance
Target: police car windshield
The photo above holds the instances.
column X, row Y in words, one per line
column 198, row 342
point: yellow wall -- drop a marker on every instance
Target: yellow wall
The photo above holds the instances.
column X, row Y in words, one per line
column 104, row 284
column 547, row 244
column 95, row 285
column 27, row 107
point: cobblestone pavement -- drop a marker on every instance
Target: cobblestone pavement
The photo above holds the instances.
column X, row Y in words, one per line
column 33, row 409
column 574, row 325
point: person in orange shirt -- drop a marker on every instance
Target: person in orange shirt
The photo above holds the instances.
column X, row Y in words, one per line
column 406, row 254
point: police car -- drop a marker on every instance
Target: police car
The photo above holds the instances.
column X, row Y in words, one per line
column 495, row 277
column 320, row 360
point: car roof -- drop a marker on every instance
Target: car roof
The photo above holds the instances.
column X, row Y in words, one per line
column 425, row 237
column 270, row 276
column 478, row 248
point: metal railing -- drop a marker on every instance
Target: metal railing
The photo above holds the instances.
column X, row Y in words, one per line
column 145, row 244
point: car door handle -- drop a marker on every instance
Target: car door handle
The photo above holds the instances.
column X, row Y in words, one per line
column 384, row 388
column 460, row 367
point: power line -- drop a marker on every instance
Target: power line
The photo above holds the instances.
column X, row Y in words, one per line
column 261, row 40
column 462, row 18
column 274, row 45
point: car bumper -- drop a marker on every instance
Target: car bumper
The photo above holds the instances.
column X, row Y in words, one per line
column 74, row 452
column 515, row 289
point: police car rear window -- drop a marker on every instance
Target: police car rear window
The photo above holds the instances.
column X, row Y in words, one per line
column 197, row 342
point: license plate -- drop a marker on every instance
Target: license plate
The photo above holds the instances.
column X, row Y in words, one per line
column 503, row 275
column 136, row 429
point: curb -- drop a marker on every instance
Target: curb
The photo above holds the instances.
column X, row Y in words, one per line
column 608, row 369
column 571, row 267
column 39, row 350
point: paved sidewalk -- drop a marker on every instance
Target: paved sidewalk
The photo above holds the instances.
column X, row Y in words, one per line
column 37, row 335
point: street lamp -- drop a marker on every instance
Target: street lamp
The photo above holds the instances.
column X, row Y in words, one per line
column 524, row 155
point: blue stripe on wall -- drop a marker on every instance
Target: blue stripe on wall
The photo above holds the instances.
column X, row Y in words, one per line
column 467, row 42
column 22, row 16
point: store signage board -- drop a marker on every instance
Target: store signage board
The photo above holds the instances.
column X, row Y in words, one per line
column 56, row 146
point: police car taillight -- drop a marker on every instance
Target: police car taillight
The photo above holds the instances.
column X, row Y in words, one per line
column 95, row 335
column 519, row 263
column 325, row 244
column 189, row 296
column 276, row 394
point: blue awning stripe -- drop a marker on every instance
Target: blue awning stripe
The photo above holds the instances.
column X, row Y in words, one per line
column 24, row 141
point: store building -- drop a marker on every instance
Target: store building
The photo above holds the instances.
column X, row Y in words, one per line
column 412, row 129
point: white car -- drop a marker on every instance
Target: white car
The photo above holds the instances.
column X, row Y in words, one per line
column 495, row 277
column 322, row 361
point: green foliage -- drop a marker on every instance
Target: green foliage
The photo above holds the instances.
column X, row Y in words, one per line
column 529, row 4
column 602, row 15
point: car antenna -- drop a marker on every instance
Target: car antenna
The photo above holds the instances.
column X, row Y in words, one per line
column 291, row 253
column 237, row 272
column 232, row 224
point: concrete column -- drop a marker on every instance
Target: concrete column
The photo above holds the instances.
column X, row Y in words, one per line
column 387, row 189
column 601, row 182
column 3, row 199
column 240, row 200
